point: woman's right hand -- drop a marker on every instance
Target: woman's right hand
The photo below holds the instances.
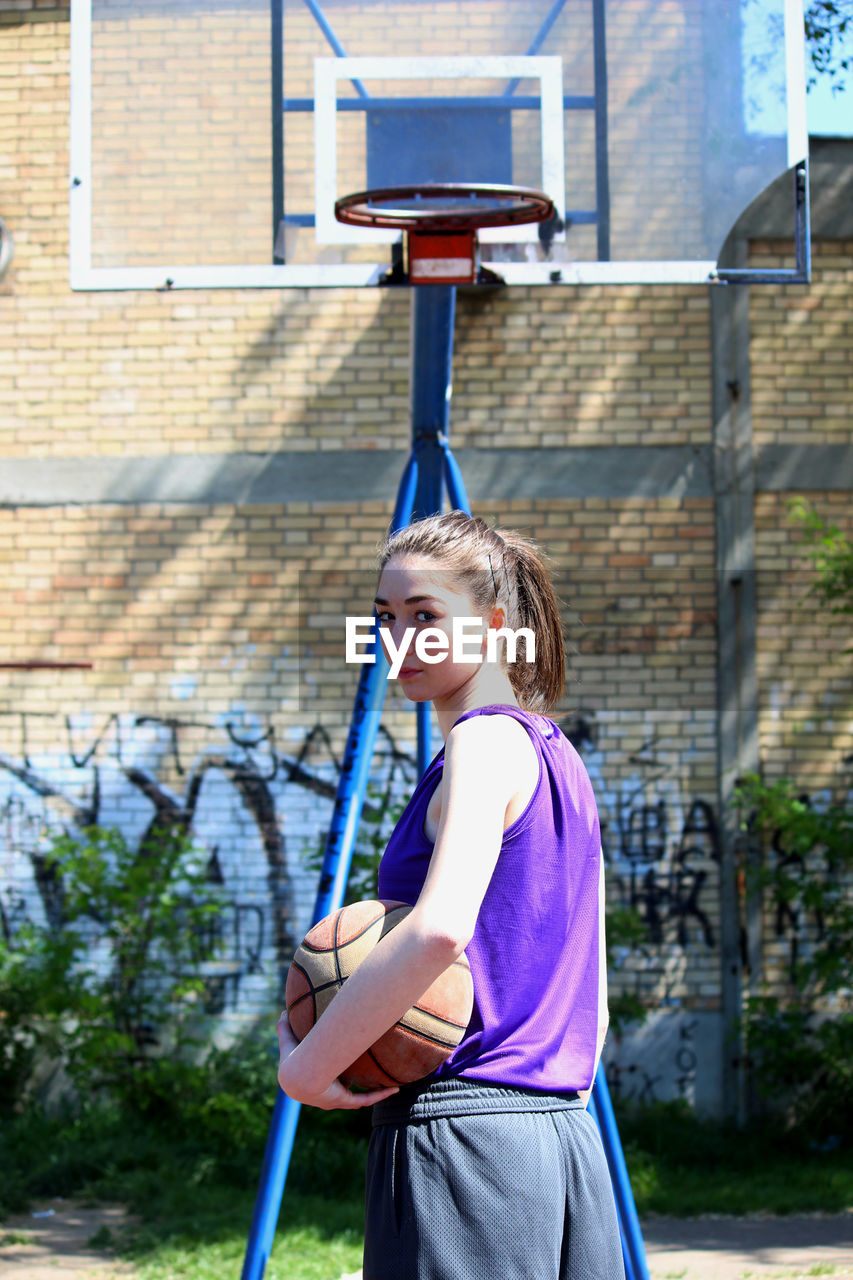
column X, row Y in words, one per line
column 330, row 1096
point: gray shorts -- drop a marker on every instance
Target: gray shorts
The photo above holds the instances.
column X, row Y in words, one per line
column 469, row 1181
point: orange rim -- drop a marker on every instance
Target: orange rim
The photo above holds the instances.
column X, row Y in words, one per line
column 515, row 205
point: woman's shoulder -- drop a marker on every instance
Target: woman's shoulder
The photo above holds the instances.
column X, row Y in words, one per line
column 520, row 735
column 496, row 730
column 503, row 715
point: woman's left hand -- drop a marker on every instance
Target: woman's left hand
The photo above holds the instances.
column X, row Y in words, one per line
column 334, row 1096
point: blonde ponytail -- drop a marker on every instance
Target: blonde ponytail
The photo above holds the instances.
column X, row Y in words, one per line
column 497, row 566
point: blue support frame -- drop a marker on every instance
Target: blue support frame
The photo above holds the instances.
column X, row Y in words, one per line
column 633, row 1249
column 277, row 132
column 602, row 152
column 349, row 801
column 432, row 325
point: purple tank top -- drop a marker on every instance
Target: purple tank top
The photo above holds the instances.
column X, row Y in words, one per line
column 534, row 953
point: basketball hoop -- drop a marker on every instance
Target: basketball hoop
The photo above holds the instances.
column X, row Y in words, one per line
column 441, row 221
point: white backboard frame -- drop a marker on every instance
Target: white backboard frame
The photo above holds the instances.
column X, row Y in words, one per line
column 328, row 71
column 173, row 275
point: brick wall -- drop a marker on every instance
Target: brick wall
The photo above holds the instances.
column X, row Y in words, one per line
column 800, row 350
column 802, row 394
column 191, row 612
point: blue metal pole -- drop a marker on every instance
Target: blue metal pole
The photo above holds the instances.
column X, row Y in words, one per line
column 602, row 155
column 423, row 715
column 277, row 85
column 455, row 484
column 626, row 1257
column 271, row 1188
column 407, row 489
column 352, row 786
column 341, row 839
column 433, row 318
column 633, row 1249
column 338, row 49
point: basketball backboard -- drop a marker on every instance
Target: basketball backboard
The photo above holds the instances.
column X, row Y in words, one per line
column 211, row 138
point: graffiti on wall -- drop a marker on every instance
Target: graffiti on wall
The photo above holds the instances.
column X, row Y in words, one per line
column 258, row 810
column 672, row 1054
column 259, row 801
column 658, row 842
column 240, row 795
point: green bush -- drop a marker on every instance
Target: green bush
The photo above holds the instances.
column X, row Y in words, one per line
column 800, row 1042
column 36, row 989
column 118, row 982
column 625, row 932
column 682, row 1164
column 207, row 1124
column 831, row 554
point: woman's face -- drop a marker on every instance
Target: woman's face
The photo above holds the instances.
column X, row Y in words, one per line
column 416, row 597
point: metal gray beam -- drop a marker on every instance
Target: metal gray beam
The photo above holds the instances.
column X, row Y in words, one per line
column 737, row 680
column 352, row 475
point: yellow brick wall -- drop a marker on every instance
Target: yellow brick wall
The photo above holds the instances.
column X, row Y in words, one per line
column 802, row 394
column 804, row 673
column 189, row 614
column 800, row 350
column 195, row 616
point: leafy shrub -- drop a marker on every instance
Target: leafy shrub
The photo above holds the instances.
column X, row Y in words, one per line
column 831, row 554
column 118, row 981
column 625, row 932
column 378, row 817
column 800, row 1043
column 36, row 989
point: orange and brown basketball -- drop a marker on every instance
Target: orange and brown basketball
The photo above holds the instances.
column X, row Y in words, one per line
column 422, row 1039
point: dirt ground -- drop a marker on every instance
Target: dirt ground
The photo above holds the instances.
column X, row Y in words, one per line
column 52, row 1243
column 719, row 1248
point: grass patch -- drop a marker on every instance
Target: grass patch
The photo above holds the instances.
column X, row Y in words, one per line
column 317, row 1239
column 192, row 1197
column 15, row 1237
column 192, row 1194
column 682, row 1166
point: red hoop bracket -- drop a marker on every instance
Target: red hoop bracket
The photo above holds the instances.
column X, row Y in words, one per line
column 441, row 221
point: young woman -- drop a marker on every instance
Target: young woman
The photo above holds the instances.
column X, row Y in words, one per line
column 492, row 1168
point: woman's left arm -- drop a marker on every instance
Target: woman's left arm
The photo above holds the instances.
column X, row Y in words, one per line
column 479, row 784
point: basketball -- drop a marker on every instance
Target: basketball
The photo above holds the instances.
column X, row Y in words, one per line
column 422, row 1039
